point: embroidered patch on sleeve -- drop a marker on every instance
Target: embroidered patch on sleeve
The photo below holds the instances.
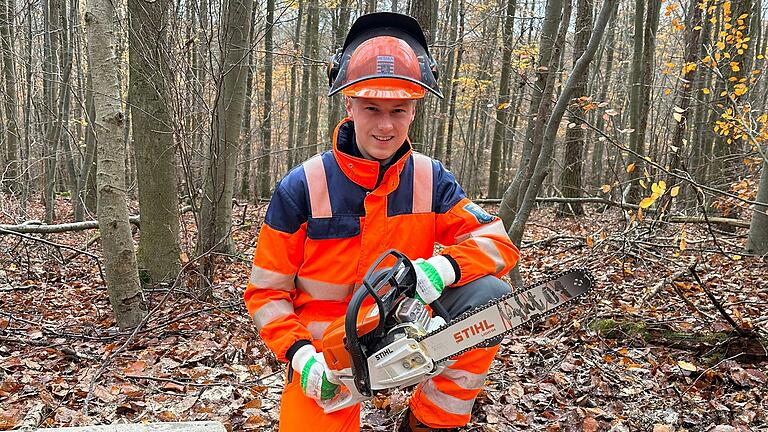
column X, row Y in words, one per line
column 481, row 215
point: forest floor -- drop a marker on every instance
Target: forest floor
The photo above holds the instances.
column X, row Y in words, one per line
column 646, row 351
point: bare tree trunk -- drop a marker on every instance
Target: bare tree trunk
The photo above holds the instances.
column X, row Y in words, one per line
column 335, row 105
column 117, row 243
column 641, row 104
column 453, row 90
column 543, row 163
column 503, row 102
column 216, row 209
column 679, row 145
column 758, row 227
column 442, row 117
column 154, row 148
column 12, row 155
column 541, row 96
column 597, row 154
column 246, row 179
column 293, row 140
column 50, row 111
column 570, row 176
column 314, row 83
column 264, row 175
column 424, row 12
column 306, row 92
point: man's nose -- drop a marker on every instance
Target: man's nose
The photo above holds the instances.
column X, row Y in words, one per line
column 385, row 122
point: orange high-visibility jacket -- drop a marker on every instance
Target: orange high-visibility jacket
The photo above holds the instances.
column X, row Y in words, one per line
column 331, row 217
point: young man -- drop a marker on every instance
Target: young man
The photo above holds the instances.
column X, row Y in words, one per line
column 333, row 215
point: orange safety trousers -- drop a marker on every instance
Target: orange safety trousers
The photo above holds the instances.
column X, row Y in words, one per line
column 443, row 401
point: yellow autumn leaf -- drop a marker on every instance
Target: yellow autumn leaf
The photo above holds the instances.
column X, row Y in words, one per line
column 683, row 244
column 646, row 202
column 590, row 242
column 684, row 365
column 736, row 257
column 678, row 118
column 606, row 188
column 705, row 90
column 630, row 167
column 642, row 183
column 675, row 191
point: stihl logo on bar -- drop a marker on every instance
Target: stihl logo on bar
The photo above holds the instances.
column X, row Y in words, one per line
column 483, row 327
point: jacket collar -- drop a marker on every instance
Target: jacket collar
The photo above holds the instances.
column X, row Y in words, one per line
column 364, row 172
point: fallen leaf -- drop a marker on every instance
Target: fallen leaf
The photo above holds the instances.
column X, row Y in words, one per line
column 589, row 424
column 663, row 428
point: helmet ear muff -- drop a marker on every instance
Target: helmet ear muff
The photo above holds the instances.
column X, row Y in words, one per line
column 334, row 65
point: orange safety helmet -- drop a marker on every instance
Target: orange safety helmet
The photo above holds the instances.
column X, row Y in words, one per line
column 385, row 56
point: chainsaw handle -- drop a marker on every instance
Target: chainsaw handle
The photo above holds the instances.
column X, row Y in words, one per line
column 440, row 310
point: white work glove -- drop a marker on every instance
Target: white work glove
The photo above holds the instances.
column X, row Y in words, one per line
column 316, row 379
column 432, row 276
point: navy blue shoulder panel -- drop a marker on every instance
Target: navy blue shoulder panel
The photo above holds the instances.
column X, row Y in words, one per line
column 289, row 206
column 446, row 190
column 400, row 201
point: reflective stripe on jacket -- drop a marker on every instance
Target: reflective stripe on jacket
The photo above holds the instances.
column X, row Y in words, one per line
column 331, row 217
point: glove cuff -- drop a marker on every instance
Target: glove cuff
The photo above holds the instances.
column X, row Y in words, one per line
column 301, row 357
column 444, row 269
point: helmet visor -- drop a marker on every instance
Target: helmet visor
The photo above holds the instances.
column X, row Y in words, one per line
column 377, row 63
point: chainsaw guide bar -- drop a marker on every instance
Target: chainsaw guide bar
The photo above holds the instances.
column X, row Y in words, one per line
column 506, row 314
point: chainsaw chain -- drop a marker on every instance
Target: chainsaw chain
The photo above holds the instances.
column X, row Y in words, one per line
column 493, row 303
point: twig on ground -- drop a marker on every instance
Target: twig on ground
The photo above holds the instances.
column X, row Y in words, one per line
column 717, row 303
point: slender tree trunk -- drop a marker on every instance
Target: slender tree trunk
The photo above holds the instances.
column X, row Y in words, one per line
column 453, row 90
column 246, row 179
column 12, row 155
column 153, row 139
column 306, row 92
column 424, row 12
column 679, row 145
column 86, row 179
column 642, row 103
column 446, row 81
column 314, row 83
column 216, row 209
column 597, row 154
column 293, row 140
column 570, row 176
column 339, row 31
column 540, row 95
column 264, row 177
column 553, row 123
column 503, row 102
column 50, row 111
column 120, row 261
column 757, row 242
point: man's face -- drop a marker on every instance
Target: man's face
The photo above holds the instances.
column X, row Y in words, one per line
column 381, row 125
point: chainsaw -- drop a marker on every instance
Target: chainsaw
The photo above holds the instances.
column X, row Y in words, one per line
column 388, row 339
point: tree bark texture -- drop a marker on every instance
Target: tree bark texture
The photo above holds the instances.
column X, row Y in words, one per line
column 10, row 177
column 503, row 101
column 757, row 242
column 540, row 95
column 424, row 12
column 153, row 139
column 117, row 243
column 571, row 175
column 264, row 163
column 220, row 166
column 542, row 165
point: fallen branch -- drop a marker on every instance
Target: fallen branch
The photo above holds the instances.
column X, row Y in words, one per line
column 38, row 227
column 717, row 303
column 661, row 284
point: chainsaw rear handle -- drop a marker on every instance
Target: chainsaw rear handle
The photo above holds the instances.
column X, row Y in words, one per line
column 401, row 283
